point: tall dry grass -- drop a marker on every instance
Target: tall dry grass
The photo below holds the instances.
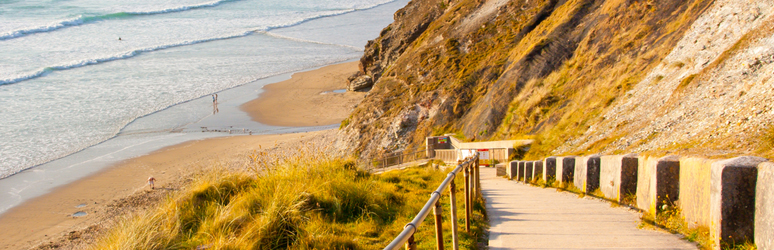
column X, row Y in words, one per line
column 298, row 199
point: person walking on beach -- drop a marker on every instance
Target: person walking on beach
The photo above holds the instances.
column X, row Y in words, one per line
column 151, row 182
column 215, row 104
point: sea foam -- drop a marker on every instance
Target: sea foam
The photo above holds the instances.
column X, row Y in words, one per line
column 81, row 19
column 125, row 55
column 129, row 54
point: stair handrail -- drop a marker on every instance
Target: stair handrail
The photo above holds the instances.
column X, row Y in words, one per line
column 471, row 171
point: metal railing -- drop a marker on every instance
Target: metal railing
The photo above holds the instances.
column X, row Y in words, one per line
column 472, row 192
column 400, row 158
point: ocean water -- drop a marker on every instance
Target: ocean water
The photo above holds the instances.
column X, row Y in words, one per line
column 69, row 84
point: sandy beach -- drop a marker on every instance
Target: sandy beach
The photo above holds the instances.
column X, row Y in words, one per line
column 307, row 99
column 48, row 221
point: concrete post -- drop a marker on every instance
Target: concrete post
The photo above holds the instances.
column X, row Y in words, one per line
column 520, row 172
column 592, row 173
column 628, row 184
column 618, row 176
column 764, row 206
column 537, row 170
column 549, row 170
column 579, row 176
column 667, row 182
column 695, row 185
column 502, row 169
column 528, row 171
column 658, row 184
column 565, row 169
column 513, row 168
column 732, row 199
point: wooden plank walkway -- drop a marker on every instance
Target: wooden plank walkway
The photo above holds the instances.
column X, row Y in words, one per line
column 528, row 217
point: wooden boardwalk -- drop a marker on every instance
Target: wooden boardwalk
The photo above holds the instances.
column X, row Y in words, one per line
column 528, row 217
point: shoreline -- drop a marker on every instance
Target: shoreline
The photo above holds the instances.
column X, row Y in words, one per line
column 168, row 127
column 103, row 195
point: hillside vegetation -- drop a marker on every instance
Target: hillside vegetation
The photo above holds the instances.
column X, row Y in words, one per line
column 303, row 203
column 577, row 76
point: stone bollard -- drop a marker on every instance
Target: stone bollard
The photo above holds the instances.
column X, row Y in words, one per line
column 695, row 181
column 586, row 176
column 658, row 183
column 579, row 176
column 629, row 165
column 501, row 169
column 520, row 172
column 565, row 169
column 591, row 183
column 618, row 176
column 512, row 168
column 732, row 199
column 549, row 170
column 764, row 206
column 528, row 171
column 537, row 170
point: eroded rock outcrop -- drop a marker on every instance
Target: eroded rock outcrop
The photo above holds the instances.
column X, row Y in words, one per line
column 575, row 75
column 359, row 82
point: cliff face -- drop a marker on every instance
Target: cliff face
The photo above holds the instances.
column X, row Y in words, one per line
column 575, row 75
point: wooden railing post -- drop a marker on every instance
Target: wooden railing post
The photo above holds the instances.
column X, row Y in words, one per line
column 472, row 187
column 437, row 211
column 478, row 181
column 453, row 204
column 473, row 183
column 410, row 244
column 406, row 237
column 467, row 199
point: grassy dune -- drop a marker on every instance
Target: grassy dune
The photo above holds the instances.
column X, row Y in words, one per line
column 299, row 203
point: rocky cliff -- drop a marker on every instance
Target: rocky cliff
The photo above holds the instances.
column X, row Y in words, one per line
column 691, row 77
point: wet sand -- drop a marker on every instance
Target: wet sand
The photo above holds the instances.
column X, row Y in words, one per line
column 307, row 99
column 48, row 220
